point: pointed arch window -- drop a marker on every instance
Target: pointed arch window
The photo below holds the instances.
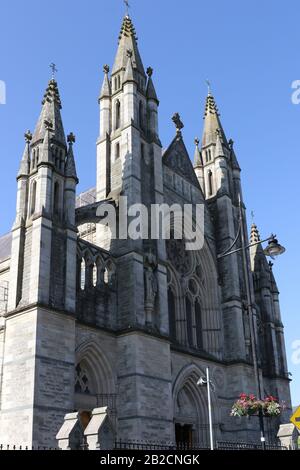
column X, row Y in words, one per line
column 56, row 197
column 117, row 151
column 198, row 319
column 141, row 115
column 210, row 183
column 82, row 274
column 118, row 114
column 33, row 198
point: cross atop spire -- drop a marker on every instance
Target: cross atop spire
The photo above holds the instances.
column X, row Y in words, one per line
column 127, row 6
column 54, row 70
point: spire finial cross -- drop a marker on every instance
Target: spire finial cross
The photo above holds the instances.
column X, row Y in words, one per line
column 54, row 70
column 126, row 2
column 208, row 86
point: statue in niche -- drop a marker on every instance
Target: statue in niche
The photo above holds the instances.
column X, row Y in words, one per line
column 151, row 286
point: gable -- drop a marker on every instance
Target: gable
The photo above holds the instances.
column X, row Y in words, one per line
column 177, row 158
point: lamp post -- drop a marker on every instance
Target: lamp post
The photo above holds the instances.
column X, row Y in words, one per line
column 273, row 249
column 206, row 381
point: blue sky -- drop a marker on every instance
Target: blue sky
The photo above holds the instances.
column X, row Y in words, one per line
column 248, row 50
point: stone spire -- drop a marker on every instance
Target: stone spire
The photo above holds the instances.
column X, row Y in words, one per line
column 70, row 169
column 25, row 162
column 197, row 155
column 150, row 90
column 106, row 88
column 212, row 123
column 50, row 113
column 127, row 42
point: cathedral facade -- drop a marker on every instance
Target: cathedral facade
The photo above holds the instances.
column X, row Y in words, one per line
column 88, row 320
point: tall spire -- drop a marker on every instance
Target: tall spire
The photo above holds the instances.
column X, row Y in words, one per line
column 127, row 42
column 25, row 162
column 51, row 113
column 106, row 88
column 212, row 123
column 197, row 155
column 150, row 90
column 70, row 169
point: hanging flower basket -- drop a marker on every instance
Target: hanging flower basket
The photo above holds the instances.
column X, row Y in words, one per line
column 248, row 405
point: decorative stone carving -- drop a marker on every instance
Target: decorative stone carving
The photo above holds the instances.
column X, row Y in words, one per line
column 179, row 256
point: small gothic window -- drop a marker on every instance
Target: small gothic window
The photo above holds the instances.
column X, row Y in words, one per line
column 81, row 380
column 33, row 159
column 210, row 183
column 119, row 81
column 82, row 274
column 116, row 84
column 56, row 197
column 106, row 276
column 117, row 154
column 95, row 276
column 37, row 155
column 118, row 114
column 33, row 198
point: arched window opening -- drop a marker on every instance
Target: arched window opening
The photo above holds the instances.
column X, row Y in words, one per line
column 82, row 274
column 119, row 82
column 117, row 152
column 106, row 276
column 37, row 155
column 81, row 380
column 198, row 318
column 95, row 275
column 189, row 321
column 118, row 114
column 33, row 198
column 210, row 183
column 33, row 159
column 172, row 314
column 56, row 197
column 116, row 84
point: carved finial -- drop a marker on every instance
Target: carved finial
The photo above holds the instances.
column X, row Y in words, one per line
column 28, row 137
column 230, row 143
column 129, row 53
column 71, row 138
column 197, row 141
column 48, row 125
column 106, row 68
column 178, row 123
column 218, row 132
column 149, row 71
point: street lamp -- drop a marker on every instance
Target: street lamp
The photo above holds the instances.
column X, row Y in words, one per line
column 273, row 249
column 206, row 381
